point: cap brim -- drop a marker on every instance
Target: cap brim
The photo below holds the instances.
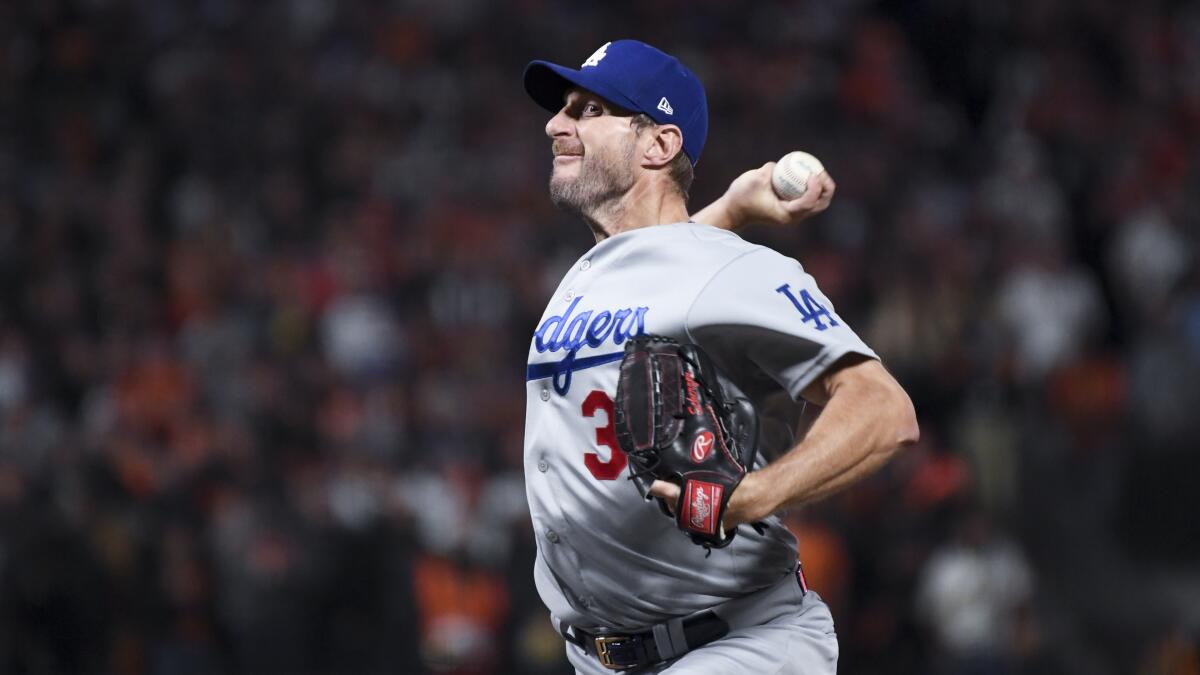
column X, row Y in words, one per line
column 546, row 83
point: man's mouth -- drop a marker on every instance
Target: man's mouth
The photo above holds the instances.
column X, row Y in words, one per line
column 565, row 151
column 567, row 158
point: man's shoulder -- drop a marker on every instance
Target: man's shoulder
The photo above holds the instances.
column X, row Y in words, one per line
column 711, row 245
column 729, row 247
column 700, row 254
column 714, row 237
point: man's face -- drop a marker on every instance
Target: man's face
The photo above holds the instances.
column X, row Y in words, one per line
column 594, row 148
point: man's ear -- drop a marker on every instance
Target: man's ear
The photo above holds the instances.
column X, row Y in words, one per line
column 666, row 142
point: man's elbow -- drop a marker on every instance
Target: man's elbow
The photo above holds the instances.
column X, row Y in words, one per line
column 896, row 418
column 904, row 419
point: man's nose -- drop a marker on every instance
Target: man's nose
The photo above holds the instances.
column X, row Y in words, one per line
column 559, row 125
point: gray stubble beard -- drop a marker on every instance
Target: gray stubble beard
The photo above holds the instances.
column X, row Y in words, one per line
column 599, row 183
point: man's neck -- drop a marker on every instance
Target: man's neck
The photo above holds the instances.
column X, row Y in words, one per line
column 642, row 206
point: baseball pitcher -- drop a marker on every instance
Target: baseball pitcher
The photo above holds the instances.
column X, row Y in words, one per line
column 653, row 470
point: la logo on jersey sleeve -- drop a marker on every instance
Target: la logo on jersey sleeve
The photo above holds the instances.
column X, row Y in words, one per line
column 811, row 311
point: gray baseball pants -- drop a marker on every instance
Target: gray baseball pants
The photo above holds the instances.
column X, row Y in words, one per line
column 779, row 630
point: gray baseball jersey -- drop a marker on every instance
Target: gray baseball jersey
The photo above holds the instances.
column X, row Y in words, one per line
column 606, row 557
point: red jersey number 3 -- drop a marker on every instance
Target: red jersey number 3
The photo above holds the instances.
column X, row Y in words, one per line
column 606, row 436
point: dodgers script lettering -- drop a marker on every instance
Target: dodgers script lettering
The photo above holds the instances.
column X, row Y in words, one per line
column 572, row 331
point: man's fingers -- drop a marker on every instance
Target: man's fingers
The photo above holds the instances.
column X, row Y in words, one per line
column 827, row 189
column 805, row 203
column 822, row 182
column 816, row 198
column 665, row 490
column 667, row 493
column 762, row 176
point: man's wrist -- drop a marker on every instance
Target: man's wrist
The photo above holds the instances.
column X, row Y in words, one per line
column 750, row 501
column 734, row 216
column 720, row 214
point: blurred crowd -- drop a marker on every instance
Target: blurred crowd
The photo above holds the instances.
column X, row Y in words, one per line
column 269, row 271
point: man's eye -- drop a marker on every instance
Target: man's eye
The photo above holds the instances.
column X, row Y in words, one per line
column 592, row 109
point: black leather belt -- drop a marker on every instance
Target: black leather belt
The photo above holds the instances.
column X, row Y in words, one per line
column 621, row 651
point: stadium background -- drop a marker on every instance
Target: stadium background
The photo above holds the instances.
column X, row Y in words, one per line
column 268, row 272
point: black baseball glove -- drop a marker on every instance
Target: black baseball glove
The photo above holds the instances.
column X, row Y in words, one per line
column 679, row 419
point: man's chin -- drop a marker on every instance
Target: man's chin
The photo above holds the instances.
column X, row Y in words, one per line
column 563, row 195
column 563, row 182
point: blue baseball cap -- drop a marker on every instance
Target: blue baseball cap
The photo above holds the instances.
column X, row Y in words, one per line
column 635, row 76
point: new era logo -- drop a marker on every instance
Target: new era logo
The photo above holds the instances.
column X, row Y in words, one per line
column 597, row 56
column 665, row 106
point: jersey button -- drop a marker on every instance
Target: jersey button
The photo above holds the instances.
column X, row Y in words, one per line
column 585, row 265
column 543, row 465
column 545, row 394
column 552, row 536
column 569, row 294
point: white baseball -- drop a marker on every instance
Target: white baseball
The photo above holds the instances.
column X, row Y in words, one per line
column 790, row 176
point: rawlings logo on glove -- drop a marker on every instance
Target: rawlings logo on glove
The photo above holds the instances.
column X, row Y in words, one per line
column 700, row 499
column 679, row 419
column 701, row 446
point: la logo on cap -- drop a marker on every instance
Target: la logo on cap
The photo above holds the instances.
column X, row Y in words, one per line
column 597, row 56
